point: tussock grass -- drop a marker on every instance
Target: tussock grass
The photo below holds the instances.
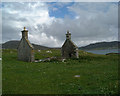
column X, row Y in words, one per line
column 98, row 74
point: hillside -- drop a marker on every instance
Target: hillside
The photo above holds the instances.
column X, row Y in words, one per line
column 101, row 45
column 94, row 46
column 14, row 45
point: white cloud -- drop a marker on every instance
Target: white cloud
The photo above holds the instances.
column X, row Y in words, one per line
column 32, row 15
column 93, row 22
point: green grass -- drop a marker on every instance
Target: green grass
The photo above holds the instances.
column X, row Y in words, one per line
column 98, row 74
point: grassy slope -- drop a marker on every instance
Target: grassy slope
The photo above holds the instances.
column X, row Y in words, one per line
column 98, row 74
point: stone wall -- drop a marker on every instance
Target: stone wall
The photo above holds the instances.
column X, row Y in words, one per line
column 25, row 52
column 69, row 49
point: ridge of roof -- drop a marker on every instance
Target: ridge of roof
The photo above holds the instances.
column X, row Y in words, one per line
column 29, row 43
column 71, row 42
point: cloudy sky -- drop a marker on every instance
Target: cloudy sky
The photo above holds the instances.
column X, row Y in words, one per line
column 47, row 22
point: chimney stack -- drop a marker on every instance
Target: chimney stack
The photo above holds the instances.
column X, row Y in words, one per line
column 25, row 33
column 68, row 35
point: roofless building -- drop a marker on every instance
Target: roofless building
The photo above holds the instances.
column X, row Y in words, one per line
column 25, row 49
column 69, row 49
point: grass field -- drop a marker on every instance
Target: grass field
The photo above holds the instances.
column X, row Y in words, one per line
column 98, row 74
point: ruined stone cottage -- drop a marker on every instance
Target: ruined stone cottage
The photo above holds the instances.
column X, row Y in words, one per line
column 69, row 49
column 25, row 49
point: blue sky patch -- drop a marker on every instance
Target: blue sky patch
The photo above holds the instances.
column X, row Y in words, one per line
column 1, row 5
column 60, row 10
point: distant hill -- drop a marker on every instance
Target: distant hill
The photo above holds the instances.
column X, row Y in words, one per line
column 94, row 46
column 101, row 45
column 14, row 45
